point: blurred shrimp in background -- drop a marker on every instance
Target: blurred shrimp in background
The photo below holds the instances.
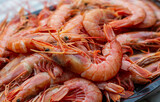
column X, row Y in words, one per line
column 11, row 7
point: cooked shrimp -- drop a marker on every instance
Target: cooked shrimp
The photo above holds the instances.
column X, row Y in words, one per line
column 151, row 63
column 9, row 29
column 113, row 90
column 140, row 40
column 74, row 25
column 58, row 18
column 11, row 64
column 93, row 19
column 30, row 87
column 148, row 59
column 132, row 67
column 76, row 89
column 24, row 44
column 150, row 18
column 50, row 74
column 81, row 64
column 21, row 70
column 136, row 15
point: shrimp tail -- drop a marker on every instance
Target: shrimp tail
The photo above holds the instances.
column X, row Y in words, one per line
column 111, row 87
column 109, row 32
column 60, row 94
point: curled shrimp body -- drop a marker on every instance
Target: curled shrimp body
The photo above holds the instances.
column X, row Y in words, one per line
column 77, row 89
column 102, row 71
column 150, row 18
column 136, row 15
column 92, row 20
column 21, row 70
column 57, row 19
column 140, row 40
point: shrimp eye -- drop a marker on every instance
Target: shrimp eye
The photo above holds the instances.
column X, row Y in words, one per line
column 18, row 100
column 47, row 49
column 85, row 4
column 66, row 38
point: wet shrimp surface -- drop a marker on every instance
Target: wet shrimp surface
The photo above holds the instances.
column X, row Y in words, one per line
column 82, row 50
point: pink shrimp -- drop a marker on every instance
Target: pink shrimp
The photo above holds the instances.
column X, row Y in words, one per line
column 150, row 18
column 57, row 19
column 111, row 90
column 93, row 18
column 50, row 74
column 136, row 15
column 7, row 32
column 76, row 89
column 11, row 64
column 137, row 70
column 31, row 86
column 25, row 43
column 84, row 66
column 140, row 40
column 21, row 70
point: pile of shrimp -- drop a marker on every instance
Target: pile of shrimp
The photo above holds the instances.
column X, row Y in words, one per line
column 80, row 50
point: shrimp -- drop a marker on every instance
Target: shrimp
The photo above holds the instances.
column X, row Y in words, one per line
column 150, row 18
column 76, row 89
column 140, row 40
column 136, row 15
column 81, row 64
column 151, row 63
column 92, row 20
column 30, row 87
column 49, row 75
column 21, row 70
column 10, row 28
column 11, row 64
column 25, row 43
column 136, row 70
column 148, row 59
column 57, row 19
column 112, row 90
